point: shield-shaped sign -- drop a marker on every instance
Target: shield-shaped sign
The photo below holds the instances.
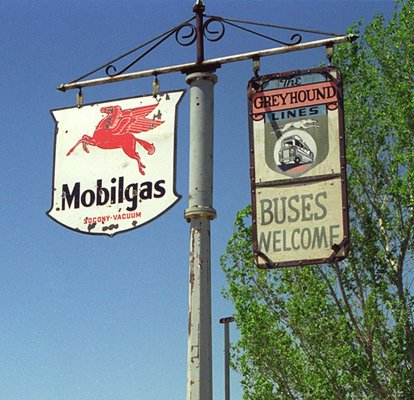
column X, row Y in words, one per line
column 114, row 164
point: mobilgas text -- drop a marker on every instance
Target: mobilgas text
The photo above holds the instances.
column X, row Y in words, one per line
column 76, row 196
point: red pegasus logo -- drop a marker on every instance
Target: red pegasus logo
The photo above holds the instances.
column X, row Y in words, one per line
column 116, row 130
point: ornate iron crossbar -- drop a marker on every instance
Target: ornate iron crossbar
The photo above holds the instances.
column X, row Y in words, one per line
column 193, row 31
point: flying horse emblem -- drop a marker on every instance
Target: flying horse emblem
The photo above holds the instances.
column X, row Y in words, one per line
column 117, row 129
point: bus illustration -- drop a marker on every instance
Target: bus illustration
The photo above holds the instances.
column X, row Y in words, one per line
column 294, row 150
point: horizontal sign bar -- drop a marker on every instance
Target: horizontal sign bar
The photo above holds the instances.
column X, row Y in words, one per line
column 213, row 63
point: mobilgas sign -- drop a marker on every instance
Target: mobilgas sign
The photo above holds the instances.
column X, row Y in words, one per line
column 114, row 167
column 298, row 172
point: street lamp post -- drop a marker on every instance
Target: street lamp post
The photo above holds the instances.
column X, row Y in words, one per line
column 226, row 321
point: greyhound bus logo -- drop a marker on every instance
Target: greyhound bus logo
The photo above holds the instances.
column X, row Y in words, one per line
column 114, row 166
column 296, row 150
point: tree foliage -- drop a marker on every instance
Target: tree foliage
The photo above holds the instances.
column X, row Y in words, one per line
column 344, row 331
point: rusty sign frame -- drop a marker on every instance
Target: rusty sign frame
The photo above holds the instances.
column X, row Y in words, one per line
column 339, row 250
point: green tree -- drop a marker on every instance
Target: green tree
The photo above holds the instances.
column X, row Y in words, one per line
column 345, row 330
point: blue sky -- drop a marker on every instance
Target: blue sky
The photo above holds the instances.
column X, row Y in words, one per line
column 90, row 318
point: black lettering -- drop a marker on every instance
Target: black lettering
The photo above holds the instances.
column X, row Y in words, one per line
column 70, row 197
column 332, row 235
column 319, row 236
column 280, row 212
column 276, row 241
column 264, row 242
column 306, row 207
column 266, row 213
column 84, row 198
column 131, row 194
column 331, row 92
column 284, row 96
column 258, row 102
column 275, row 101
column 324, row 211
column 145, row 192
column 302, row 96
column 296, row 217
column 320, row 94
column 294, row 246
column 311, row 95
column 291, row 114
column 305, row 238
column 313, row 110
column 121, row 190
column 102, row 194
column 266, row 101
column 285, row 247
column 113, row 191
column 159, row 189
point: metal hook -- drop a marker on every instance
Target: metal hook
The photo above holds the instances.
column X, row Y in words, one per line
column 155, row 86
column 79, row 98
column 329, row 53
column 256, row 66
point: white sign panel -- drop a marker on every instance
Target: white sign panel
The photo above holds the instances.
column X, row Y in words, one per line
column 298, row 170
column 114, row 165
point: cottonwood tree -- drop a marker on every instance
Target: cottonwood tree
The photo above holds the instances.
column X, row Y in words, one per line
column 345, row 330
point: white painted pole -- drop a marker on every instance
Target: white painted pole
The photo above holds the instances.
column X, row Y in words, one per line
column 199, row 214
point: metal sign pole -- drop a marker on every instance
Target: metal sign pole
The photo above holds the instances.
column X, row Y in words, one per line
column 199, row 214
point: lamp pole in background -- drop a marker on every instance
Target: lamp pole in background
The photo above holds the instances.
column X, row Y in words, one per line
column 226, row 322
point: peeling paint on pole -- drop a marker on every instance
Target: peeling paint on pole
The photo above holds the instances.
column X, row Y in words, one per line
column 199, row 214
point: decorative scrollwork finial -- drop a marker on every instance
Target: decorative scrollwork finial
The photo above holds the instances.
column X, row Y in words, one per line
column 186, row 38
column 213, row 35
column 296, row 39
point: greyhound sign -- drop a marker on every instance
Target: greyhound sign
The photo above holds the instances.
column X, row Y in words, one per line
column 114, row 164
column 298, row 171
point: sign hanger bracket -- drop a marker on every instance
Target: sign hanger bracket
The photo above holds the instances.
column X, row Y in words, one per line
column 193, row 31
column 209, row 64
